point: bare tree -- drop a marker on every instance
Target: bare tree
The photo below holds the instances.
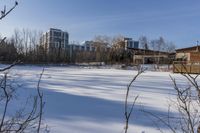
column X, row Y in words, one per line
column 101, row 44
column 23, row 121
column 144, row 44
column 18, row 41
column 160, row 45
column 187, row 107
column 118, row 42
column 25, row 35
column 27, row 43
column 170, row 47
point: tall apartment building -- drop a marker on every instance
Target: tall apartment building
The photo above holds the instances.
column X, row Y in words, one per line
column 130, row 43
column 54, row 39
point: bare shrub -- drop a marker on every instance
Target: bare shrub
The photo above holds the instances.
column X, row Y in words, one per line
column 128, row 108
column 23, row 120
column 186, row 106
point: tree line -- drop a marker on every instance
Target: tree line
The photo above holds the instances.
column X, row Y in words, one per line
column 25, row 45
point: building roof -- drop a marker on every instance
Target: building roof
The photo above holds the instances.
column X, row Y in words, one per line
column 189, row 49
column 139, row 51
column 55, row 29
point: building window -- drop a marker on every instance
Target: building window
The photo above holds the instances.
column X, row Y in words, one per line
column 57, row 34
column 82, row 48
column 130, row 44
column 62, row 45
column 88, row 48
column 93, row 49
column 66, row 36
column 56, row 44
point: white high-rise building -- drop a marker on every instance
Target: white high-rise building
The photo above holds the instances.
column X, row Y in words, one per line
column 54, row 39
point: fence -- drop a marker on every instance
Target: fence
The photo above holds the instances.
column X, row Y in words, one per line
column 186, row 67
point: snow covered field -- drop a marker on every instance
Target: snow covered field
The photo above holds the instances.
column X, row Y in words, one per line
column 83, row 100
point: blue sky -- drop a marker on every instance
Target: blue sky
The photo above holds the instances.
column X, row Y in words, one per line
column 176, row 20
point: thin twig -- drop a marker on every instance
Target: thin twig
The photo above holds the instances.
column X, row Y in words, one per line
column 10, row 66
column 128, row 113
column 6, row 13
column 3, row 40
column 161, row 120
column 40, row 94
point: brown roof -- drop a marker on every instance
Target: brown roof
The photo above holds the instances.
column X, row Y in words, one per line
column 147, row 51
column 188, row 49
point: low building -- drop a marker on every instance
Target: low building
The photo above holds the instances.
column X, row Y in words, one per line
column 190, row 54
column 144, row 56
column 187, row 60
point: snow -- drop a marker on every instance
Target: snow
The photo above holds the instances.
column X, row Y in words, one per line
column 84, row 100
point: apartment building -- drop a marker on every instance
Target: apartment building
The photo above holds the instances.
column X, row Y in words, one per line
column 85, row 46
column 54, row 39
column 130, row 43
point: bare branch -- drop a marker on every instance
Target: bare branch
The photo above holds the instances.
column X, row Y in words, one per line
column 40, row 94
column 4, row 13
column 129, row 112
column 161, row 120
column 10, row 66
column 4, row 87
column 2, row 40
